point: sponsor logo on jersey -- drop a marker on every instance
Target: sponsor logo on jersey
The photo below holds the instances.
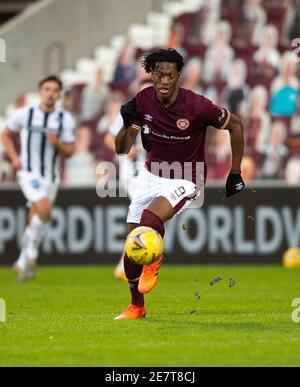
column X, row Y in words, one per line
column 148, row 117
column 183, row 124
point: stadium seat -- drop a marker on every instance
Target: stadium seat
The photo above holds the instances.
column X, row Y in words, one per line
column 71, row 78
column 142, row 36
column 86, row 65
column 159, row 20
column 104, row 54
column 117, row 42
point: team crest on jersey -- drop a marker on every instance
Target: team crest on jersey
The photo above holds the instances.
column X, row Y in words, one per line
column 35, row 184
column 183, row 124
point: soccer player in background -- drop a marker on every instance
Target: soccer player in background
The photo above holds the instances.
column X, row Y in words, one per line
column 173, row 123
column 47, row 132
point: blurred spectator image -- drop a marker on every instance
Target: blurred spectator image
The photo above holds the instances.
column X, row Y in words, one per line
column 141, row 76
column 219, row 156
column 236, row 91
column 126, row 68
column 80, row 170
column 93, row 97
column 292, row 20
column 292, row 171
column 6, row 171
column 219, row 56
column 285, row 88
column 111, row 111
column 248, row 169
column 252, row 21
column 68, row 100
column 267, row 57
column 295, row 122
column 192, row 76
column 258, row 124
column 275, row 153
column 203, row 23
column 176, row 38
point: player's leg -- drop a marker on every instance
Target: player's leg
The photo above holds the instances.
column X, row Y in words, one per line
column 136, row 309
column 175, row 197
column 144, row 193
column 155, row 216
column 40, row 195
column 154, row 203
column 142, row 279
column 38, row 216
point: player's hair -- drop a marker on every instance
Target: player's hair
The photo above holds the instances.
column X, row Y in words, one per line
column 150, row 61
column 51, row 78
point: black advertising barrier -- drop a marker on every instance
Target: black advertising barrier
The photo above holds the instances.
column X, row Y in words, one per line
column 256, row 226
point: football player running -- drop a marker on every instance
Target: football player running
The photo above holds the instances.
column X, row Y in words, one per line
column 46, row 132
column 173, row 123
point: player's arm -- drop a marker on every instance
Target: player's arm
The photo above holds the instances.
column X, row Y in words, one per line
column 236, row 131
column 65, row 149
column 8, row 139
column 65, row 143
column 235, row 183
column 109, row 141
column 126, row 137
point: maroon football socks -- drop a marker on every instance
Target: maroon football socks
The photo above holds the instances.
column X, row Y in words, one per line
column 133, row 273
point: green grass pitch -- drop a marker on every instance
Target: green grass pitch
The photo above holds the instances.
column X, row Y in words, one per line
column 65, row 318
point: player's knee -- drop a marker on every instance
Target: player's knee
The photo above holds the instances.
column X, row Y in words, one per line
column 149, row 219
column 44, row 212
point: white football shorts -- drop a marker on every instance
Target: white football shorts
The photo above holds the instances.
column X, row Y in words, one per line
column 36, row 188
column 180, row 193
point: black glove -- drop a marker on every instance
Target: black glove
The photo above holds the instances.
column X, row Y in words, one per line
column 128, row 112
column 234, row 184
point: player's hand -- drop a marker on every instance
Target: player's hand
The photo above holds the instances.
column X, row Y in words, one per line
column 52, row 138
column 16, row 164
column 128, row 112
column 234, row 184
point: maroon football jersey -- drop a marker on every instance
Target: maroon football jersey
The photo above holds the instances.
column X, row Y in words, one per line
column 177, row 133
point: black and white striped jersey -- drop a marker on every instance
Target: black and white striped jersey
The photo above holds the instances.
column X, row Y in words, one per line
column 38, row 156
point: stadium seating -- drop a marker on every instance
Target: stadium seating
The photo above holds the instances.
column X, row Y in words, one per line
column 197, row 21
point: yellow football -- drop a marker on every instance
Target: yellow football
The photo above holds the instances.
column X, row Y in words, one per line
column 144, row 246
column 291, row 258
